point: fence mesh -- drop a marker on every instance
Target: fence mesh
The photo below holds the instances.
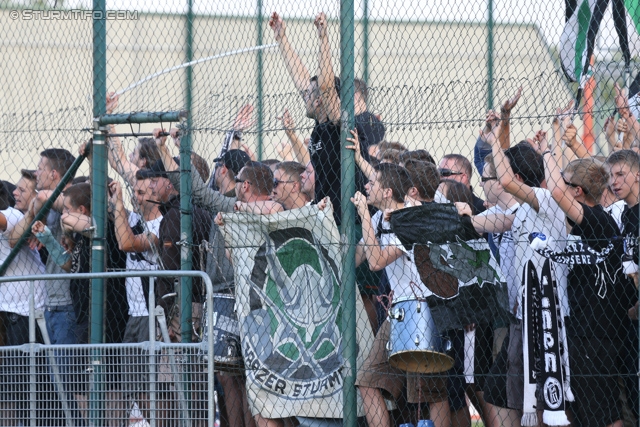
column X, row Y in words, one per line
column 511, row 300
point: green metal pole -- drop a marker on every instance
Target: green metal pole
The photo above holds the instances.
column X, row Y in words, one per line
column 259, row 82
column 99, row 207
column 348, row 173
column 186, row 234
column 365, row 41
column 489, row 54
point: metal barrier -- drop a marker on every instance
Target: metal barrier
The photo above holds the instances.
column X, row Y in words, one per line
column 32, row 386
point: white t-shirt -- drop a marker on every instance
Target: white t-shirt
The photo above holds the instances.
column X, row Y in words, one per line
column 615, row 210
column 14, row 296
column 507, row 248
column 440, row 198
column 400, row 272
column 549, row 220
column 144, row 261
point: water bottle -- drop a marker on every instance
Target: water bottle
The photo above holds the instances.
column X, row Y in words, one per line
column 425, row 423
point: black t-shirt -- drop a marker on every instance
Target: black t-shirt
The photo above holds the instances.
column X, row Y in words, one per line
column 324, row 148
column 630, row 217
column 80, row 289
column 599, row 295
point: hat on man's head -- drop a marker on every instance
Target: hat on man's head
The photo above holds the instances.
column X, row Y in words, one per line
column 156, row 170
column 234, row 160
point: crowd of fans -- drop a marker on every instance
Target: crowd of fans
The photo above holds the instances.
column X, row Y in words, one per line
column 547, row 184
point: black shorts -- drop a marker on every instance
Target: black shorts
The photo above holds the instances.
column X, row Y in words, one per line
column 495, row 384
column 594, row 380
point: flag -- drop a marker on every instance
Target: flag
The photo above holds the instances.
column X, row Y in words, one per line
column 288, row 277
column 461, row 279
column 583, row 19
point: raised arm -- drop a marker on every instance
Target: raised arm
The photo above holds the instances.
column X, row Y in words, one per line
column 377, row 257
column 575, row 145
column 505, row 116
column 560, row 192
column 300, row 150
column 505, row 173
column 326, row 76
column 55, row 249
column 297, row 70
column 127, row 241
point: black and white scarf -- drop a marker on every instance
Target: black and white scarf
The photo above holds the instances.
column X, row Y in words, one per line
column 546, row 360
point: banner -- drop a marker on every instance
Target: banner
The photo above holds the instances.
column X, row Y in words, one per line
column 288, row 294
column 462, row 282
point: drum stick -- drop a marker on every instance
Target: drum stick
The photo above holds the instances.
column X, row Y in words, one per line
column 197, row 61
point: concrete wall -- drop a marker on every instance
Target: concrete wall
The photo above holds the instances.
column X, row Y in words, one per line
column 428, row 80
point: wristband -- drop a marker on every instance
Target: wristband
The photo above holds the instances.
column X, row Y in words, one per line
column 546, row 152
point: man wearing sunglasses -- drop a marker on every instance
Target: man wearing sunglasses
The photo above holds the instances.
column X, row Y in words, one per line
column 458, row 168
column 287, row 185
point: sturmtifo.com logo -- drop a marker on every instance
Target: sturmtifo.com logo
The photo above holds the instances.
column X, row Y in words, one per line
column 73, row 14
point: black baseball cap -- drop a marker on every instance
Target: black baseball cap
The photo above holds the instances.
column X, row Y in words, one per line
column 234, row 160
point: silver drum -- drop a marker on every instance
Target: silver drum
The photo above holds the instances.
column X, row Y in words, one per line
column 414, row 344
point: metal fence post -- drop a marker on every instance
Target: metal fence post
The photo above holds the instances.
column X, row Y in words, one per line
column 259, row 82
column 348, row 210
column 99, row 208
column 186, row 234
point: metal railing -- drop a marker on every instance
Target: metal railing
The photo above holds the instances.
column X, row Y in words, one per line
column 96, row 411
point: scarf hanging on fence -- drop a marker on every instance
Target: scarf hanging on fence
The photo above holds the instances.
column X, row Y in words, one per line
column 545, row 349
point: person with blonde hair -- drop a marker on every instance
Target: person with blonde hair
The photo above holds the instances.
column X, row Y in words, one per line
column 599, row 294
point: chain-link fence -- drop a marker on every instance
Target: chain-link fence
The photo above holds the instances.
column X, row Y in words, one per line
column 343, row 293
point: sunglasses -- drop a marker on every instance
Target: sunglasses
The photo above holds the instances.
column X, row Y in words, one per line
column 488, row 178
column 277, row 182
column 240, row 180
column 449, row 172
column 567, row 183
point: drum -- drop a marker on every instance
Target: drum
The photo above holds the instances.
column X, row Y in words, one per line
column 414, row 343
column 226, row 334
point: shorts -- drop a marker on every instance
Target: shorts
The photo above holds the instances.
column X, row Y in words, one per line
column 495, row 385
column 135, row 361
column 594, row 380
column 137, row 329
column 515, row 367
column 482, row 355
column 366, row 279
column 456, row 383
column 376, row 372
